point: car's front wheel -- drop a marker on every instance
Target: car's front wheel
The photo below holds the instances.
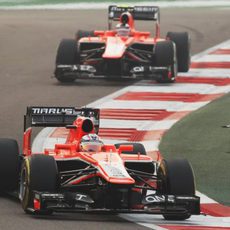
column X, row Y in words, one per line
column 165, row 56
column 175, row 177
column 67, row 54
column 38, row 173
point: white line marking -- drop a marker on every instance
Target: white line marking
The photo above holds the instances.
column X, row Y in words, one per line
column 41, row 141
column 174, row 88
column 168, row 105
column 212, row 72
column 222, row 89
column 152, row 220
column 204, row 199
column 214, row 58
column 141, row 125
column 223, row 45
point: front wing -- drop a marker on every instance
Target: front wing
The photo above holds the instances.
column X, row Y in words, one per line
column 151, row 204
column 139, row 72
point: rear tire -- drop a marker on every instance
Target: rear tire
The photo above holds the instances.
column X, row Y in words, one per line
column 176, row 178
column 183, row 44
column 39, row 173
column 9, row 164
column 137, row 148
column 67, row 54
column 84, row 33
column 165, row 56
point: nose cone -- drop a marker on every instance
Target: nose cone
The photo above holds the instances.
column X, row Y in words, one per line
column 115, row 48
column 111, row 167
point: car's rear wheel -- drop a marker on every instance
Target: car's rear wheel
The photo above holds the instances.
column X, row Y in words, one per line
column 165, row 56
column 138, row 148
column 67, row 54
column 175, row 177
column 182, row 41
column 9, row 164
column 39, row 173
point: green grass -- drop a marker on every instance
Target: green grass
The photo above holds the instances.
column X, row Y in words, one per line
column 201, row 139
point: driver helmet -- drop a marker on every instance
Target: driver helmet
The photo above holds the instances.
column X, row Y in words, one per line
column 123, row 30
column 91, row 143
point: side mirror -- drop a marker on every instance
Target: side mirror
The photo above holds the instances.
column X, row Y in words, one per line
column 125, row 148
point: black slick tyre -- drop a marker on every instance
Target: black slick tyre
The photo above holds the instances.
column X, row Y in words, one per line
column 9, row 164
column 182, row 41
column 137, row 148
column 38, row 173
column 67, row 54
column 175, row 177
column 84, row 33
column 165, row 56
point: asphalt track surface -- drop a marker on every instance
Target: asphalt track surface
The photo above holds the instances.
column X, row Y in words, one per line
column 28, row 43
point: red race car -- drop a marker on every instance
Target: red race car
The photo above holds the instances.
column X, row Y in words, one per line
column 83, row 174
column 124, row 51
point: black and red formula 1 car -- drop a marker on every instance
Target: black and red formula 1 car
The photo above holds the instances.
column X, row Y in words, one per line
column 83, row 174
column 124, row 51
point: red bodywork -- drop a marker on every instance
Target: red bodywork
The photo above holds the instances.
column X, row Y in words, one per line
column 105, row 161
column 117, row 178
column 117, row 45
column 123, row 51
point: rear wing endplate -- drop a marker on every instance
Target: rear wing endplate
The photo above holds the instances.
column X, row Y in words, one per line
column 149, row 13
column 58, row 116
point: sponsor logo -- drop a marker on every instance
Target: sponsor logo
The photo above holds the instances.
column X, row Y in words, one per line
column 80, row 197
column 45, row 110
column 138, row 69
column 144, row 9
column 52, row 195
column 83, row 198
column 159, row 199
column 113, row 171
column 121, row 9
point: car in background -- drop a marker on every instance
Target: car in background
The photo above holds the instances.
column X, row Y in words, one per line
column 123, row 51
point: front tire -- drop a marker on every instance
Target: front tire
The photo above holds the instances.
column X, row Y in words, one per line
column 165, row 56
column 67, row 54
column 175, row 177
column 39, row 173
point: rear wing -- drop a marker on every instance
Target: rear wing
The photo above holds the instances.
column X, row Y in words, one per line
column 58, row 116
column 147, row 13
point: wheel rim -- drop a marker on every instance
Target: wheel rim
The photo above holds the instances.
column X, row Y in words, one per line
column 23, row 185
column 174, row 67
column 174, row 70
